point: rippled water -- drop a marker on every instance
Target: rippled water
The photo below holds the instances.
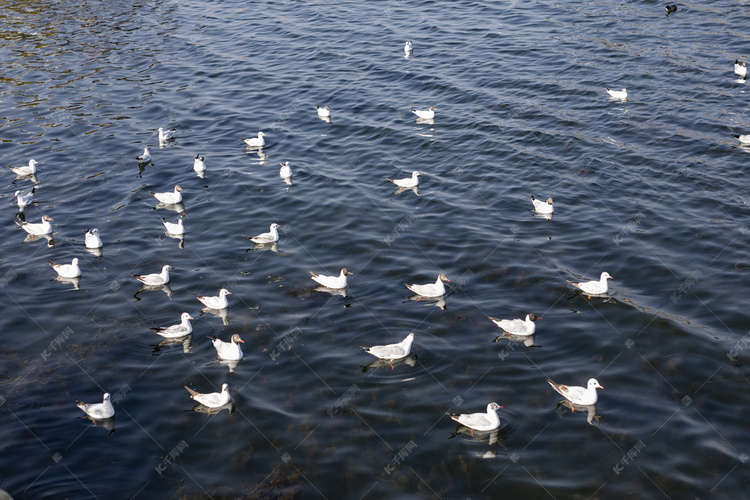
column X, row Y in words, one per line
column 652, row 190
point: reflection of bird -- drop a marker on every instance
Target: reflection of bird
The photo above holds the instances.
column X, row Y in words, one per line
column 184, row 327
column 92, row 238
column 67, row 270
column 169, row 197
column 594, row 287
column 436, row 289
column 409, row 182
column 24, row 199
column 479, row 421
column 332, row 281
column 517, row 326
column 144, row 157
column 270, row 237
column 426, row 114
column 211, row 399
column 217, row 302
column 617, row 94
column 154, row 279
column 543, row 207
column 98, row 410
column 25, row 170
column 577, row 394
column 43, row 228
column 229, row 350
column 392, row 351
column 255, row 142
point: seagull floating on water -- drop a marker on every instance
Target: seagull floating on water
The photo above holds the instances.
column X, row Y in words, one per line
column 219, row 302
column 198, row 164
column 270, row 237
column 230, row 351
column 255, row 142
column 594, row 287
column 144, row 157
column 99, row 411
column 67, row 270
column 436, row 289
column 409, row 182
column 155, row 279
column 165, row 135
column 617, row 94
column 169, row 198
column 744, row 139
column 671, row 8
column 584, row 396
column 24, row 199
column 543, row 207
column 335, row 282
column 212, row 399
column 324, row 112
column 92, row 238
column 392, row 351
column 44, row 228
column 173, row 228
column 740, row 69
column 479, row 421
column 27, row 170
column 408, row 46
column 426, row 114
column 176, row 331
column 285, row 171
column 517, row 326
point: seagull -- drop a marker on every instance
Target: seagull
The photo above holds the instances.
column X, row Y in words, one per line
column 92, row 238
column 392, row 351
column 24, row 199
column 173, row 228
column 170, row 198
column 30, row 170
column 230, row 351
column 67, row 270
column 165, row 136
column 324, row 112
column 213, row 399
column 543, row 207
column 594, row 287
column 408, row 46
column 176, row 331
column 740, row 69
column 517, row 326
column 409, row 182
column 479, row 421
column 336, row 282
column 255, row 142
column 285, row 171
column 671, row 8
column 145, row 157
column 744, row 139
column 436, row 289
column 44, row 228
column 154, row 279
column 426, row 114
column 270, row 237
column 219, row 302
column 198, row 164
column 98, row 411
column 584, row 396
column 617, row 94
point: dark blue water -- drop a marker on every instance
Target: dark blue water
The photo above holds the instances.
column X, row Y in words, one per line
column 651, row 190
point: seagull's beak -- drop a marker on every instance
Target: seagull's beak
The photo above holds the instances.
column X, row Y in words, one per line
column 599, row 387
column 190, row 317
column 242, row 341
column 229, row 293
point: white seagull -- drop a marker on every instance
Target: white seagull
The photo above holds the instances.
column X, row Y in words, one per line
column 212, row 399
column 436, row 289
column 176, row 331
column 744, row 139
column 270, row 237
column 24, row 199
column 173, row 228
column 408, row 46
column 98, row 411
column 409, row 182
column 479, row 421
column 29, row 170
column 144, row 157
column 594, row 287
column 170, row 197
column 285, row 171
column 425, row 114
column 67, row 270
column 336, row 282
column 255, row 142
column 92, row 238
column 740, row 69
column 198, row 164
column 165, row 135
column 44, row 228
column 219, row 302
column 392, row 351
column 229, row 351
column 517, row 326
column 324, row 112
column 543, row 207
column 584, row 396
column 154, row 279
column 617, row 94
